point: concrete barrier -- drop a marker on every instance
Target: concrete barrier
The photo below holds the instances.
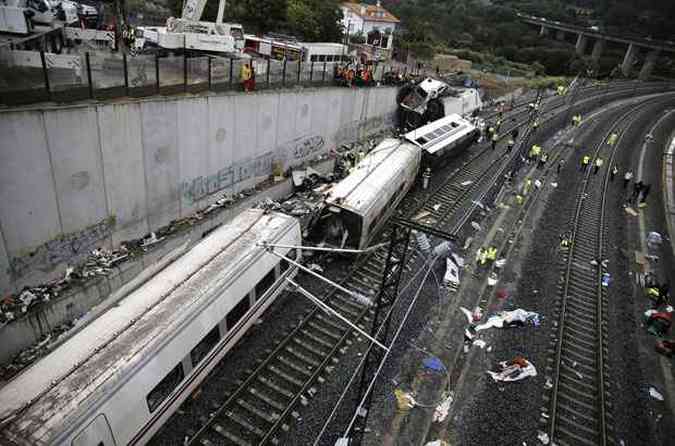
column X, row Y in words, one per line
column 76, row 177
column 83, row 302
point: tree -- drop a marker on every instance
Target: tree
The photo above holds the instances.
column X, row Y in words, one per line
column 315, row 20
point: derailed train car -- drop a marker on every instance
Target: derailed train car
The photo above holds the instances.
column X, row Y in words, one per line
column 358, row 206
column 121, row 377
column 431, row 99
column 444, row 138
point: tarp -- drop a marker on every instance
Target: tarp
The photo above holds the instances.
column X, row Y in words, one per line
column 510, row 318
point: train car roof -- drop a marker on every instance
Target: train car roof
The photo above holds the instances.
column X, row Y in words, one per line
column 54, row 390
column 382, row 165
column 438, row 134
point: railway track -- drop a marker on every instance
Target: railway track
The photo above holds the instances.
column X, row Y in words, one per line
column 262, row 406
column 579, row 410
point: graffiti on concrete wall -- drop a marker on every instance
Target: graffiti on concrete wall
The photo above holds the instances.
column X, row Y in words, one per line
column 358, row 129
column 66, row 248
column 301, row 148
column 200, row 187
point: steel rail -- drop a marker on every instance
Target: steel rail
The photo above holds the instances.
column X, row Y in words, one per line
column 579, row 249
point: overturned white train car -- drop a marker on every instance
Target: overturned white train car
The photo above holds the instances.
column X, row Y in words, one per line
column 118, row 379
column 444, row 138
column 359, row 205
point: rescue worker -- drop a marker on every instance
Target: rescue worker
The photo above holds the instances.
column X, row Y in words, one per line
column 535, row 125
column 519, row 199
column 499, row 125
column 495, row 139
column 527, row 186
column 543, row 159
column 565, row 241
column 645, row 192
column 585, row 161
column 535, row 151
column 491, row 254
column 613, row 173
column 246, row 76
column 576, row 120
column 561, row 163
column 612, row 139
column 509, row 145
column 598, row 164
column 481, row 257
column 627, row 177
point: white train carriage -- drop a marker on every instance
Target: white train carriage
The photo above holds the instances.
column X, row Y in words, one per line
column 116, row 381
column 444, row 138
column 359, row 205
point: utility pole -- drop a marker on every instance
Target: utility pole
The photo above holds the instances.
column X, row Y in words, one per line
column 221, row 11
column 391, row 278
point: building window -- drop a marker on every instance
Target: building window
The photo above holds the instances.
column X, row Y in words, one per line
column 265, row 284
column 165, row 387
column 205, row 346
column 237, row 312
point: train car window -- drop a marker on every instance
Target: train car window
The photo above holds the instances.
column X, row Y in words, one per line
column 165, row 387
column 312, row 58
column 238, row 312
column 265, row 284
column 205, row 346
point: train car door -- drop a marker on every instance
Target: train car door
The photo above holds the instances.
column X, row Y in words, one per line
column 97, row 433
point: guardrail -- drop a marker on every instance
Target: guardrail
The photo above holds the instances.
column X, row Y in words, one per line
column 30, row 77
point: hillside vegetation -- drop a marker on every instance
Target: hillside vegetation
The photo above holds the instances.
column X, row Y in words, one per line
column 485, row 31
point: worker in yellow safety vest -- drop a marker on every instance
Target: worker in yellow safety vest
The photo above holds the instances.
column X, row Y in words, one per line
column 598, row 164
column 585, row 161
column 527, row 186
column 576, row 120
column 519, row 199
column 491, row 254
column 534, row 152
column 481, row 257
column 612, row 139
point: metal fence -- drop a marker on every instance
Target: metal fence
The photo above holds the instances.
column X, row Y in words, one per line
column 68, row 78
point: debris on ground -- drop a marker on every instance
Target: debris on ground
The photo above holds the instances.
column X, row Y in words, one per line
column 466, row 183
column 441, row 411
column 479, row 343
column 655, row 394
column 630, row 211
column 434, row 364
column 606, row 279
column 404, row 401
column 543, row 437
column 451, row 272
column 665, row 347
column 31, row 354
column 658, row 322
column 654, row 240
column 514, row 370
column 508, row 319
column 492, row 279
column 437, row 443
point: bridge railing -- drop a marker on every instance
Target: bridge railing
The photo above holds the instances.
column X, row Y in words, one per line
column 28, row 77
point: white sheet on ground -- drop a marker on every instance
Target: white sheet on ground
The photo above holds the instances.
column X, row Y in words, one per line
column 513, row 372
column 508, row 317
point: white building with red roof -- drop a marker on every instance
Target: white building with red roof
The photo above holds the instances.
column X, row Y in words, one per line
column 376, row 23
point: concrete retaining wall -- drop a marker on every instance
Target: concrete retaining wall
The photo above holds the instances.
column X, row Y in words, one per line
column 76, row 177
